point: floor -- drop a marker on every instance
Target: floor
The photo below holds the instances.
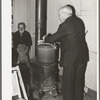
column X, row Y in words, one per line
column 86, row 97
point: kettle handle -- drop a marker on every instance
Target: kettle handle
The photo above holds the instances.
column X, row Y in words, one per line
column 50, row 44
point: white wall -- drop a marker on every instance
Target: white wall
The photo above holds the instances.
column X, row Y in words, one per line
column 18, row 12
column 30, row 21
column 90, row 19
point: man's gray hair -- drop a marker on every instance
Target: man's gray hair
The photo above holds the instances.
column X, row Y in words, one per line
column 68, row 8
column 22, row 23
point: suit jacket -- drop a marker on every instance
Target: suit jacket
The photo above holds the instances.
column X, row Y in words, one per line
column 71, row 35
column 24, row 39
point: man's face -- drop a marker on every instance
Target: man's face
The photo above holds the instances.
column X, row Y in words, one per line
column 21, row 28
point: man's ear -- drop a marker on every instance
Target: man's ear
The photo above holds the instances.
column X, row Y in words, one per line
column 24, row 26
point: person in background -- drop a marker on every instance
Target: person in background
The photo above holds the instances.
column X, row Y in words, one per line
column 22, row 37
column 22, row 43
column 74, row 52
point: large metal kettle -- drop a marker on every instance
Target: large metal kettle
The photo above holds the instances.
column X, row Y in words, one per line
column 46, row 53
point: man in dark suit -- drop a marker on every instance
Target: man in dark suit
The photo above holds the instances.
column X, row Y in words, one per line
column 74, row 52
column 22, row 43
column 22, row 36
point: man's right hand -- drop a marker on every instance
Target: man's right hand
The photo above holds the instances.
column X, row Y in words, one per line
column 60, row 71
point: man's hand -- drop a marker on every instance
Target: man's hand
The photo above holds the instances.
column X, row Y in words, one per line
column 44, row 37
column 60, row 71
column 49, row 34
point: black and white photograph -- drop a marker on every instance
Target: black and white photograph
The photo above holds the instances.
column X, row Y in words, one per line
column 53, row 50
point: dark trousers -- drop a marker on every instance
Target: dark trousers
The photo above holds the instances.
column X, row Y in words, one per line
column 73, row 82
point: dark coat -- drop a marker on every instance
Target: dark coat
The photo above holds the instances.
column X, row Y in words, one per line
column 71, row 35
column 24, row 39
